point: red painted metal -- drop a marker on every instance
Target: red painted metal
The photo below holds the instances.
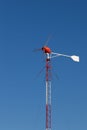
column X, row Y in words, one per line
column 46, row 49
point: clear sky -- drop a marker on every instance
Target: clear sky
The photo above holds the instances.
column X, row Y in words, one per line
column 25, row 26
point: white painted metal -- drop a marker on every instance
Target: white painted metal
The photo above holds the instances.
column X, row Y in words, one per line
column 48, row 92
column 73, row 57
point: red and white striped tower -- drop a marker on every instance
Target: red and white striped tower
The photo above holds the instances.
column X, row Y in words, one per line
column 48, row 92
column 49, row 55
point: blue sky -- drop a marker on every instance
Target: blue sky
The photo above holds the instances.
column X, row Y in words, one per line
column 25, row 26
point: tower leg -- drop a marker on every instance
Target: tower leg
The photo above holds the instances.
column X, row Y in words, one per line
column 48, row 97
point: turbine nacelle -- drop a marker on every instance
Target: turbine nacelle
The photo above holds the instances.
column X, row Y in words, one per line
column 46, row 49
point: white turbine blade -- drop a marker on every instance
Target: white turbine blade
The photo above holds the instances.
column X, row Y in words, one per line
column 75, row 58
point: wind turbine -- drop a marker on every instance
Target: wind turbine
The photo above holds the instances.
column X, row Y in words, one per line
column 49, row 55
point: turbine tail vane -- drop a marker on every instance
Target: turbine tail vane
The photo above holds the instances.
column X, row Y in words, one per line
column 75, row 58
